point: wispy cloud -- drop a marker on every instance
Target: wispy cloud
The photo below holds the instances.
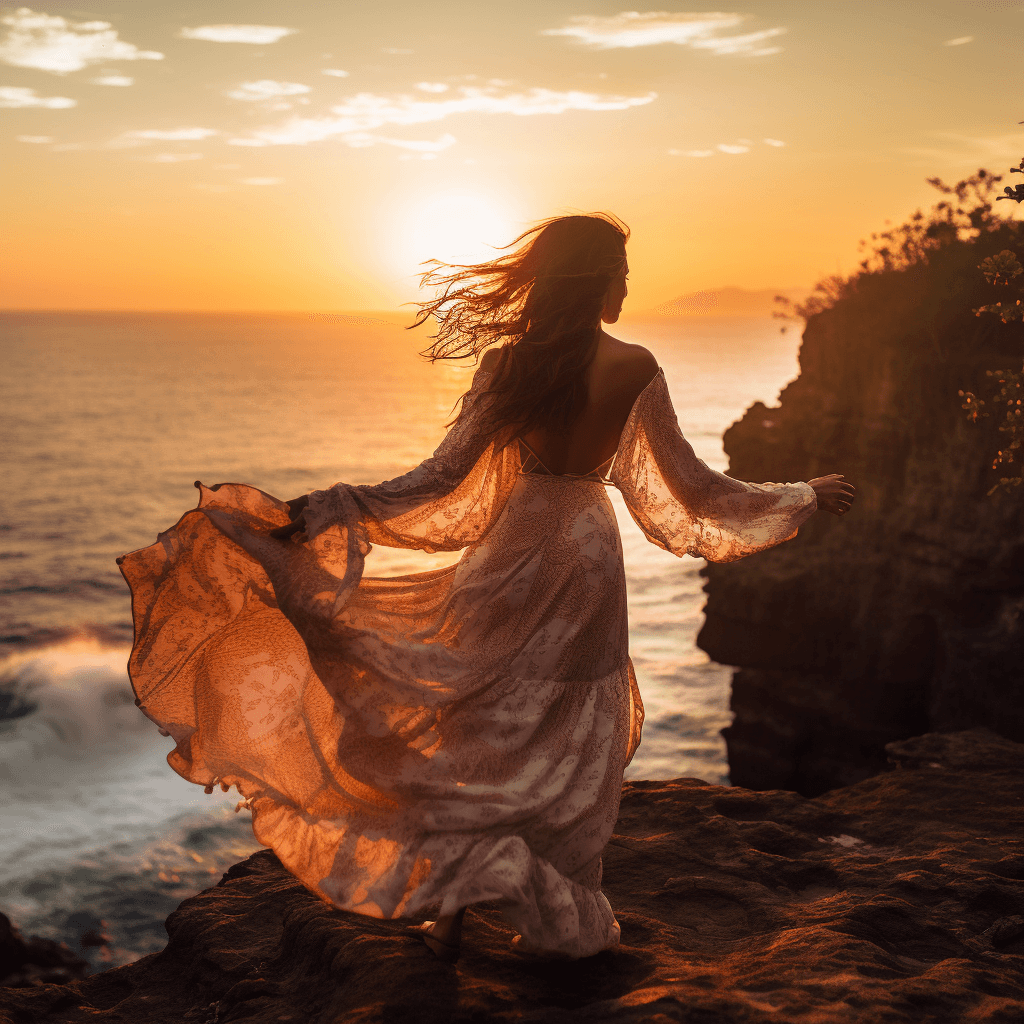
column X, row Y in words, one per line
column 174, row 158
column 267, row 89
column 262, row 181
column 259, row 35
column 367, row 111
column 122, row 80
column 426, row 147
column 432, row 87
column 737, row 148
column 35, row 139
column 959, row 41
column 145, row 136
column 16, row 96
column 52, row 43
column 652, row 28
column 395, row 50
column 335, row 72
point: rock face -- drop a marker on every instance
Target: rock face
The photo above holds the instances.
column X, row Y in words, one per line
column 35, row 961
column 905, row 616
column 897, row 899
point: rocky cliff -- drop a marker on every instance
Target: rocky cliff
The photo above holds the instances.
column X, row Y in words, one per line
column 905, row 616
column 897, row 899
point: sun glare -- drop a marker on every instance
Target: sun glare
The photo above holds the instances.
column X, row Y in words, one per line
column 454, row 227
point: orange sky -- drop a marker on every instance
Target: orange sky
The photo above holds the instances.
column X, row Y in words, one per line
column 254, row 155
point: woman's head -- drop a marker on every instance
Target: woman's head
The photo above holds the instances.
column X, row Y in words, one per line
column 545, row 300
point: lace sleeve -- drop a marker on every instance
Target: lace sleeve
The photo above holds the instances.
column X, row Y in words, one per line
column 687, row 508
column 448, row 501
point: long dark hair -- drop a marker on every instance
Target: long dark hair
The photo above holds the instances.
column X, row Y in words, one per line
column 543, row 301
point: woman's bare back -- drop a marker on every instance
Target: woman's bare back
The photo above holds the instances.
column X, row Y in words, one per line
column 615, row 379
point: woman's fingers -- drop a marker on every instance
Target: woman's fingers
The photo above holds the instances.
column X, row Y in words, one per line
column 835, row 493
column 296, row 507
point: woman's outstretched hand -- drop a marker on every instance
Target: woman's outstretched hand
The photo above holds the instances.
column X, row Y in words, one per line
column 835, row 494
column 297, row 509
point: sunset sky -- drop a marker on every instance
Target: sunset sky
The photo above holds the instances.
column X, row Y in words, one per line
column 251, row 155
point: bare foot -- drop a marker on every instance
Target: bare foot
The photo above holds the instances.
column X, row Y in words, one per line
column 443, row 937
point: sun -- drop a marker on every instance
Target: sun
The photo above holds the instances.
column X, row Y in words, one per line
column 454, row 227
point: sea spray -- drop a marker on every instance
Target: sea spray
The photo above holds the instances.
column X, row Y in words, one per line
column 96, row 826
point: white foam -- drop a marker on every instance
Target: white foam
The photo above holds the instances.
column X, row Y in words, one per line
column 85, row 769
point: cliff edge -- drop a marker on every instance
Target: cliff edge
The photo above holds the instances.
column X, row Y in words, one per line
column 905, row 616
column 896, row 899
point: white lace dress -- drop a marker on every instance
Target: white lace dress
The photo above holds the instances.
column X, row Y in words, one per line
column 435, row 740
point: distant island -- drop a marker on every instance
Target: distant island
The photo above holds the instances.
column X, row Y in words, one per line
column 715, row 302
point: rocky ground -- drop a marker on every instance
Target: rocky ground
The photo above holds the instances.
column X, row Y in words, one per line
column 900, row 898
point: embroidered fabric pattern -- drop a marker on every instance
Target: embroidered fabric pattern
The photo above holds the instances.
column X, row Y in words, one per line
column 454, row 736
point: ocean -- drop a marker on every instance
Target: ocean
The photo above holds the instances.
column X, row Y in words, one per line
column 107, row 419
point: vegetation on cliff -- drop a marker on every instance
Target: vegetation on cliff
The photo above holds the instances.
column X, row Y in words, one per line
column 945, row 248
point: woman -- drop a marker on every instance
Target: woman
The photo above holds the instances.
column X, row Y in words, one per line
column 456, row 736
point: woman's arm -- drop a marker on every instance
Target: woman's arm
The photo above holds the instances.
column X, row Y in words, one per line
column 686, row 507
column 443, row 504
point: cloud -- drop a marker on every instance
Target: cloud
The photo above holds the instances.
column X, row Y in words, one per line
column 736, row 148
column 52, row 43
column 258, row 34
column 262, row 181
column 432, row 86
column 112, row 80
column 16, row 96
column 172, row 135
column 37, row 139
column 652, row 28
column 174, row 158
column 959, row 41
column 361, row 141
column 335, row 73
column 366, row 111
column 267, row 89
column 395, row 50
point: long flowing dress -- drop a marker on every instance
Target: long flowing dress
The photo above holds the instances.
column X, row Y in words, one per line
column 441, row 739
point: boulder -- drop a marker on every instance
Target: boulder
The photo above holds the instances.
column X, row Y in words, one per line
column 899, row 898
column 35, row 961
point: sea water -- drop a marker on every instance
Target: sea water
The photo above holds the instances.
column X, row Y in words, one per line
column 107, row 419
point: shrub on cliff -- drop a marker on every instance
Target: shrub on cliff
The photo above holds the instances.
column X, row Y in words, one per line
column 924, row 274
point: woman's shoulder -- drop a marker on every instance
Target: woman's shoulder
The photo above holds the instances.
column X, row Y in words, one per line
column 625, row 369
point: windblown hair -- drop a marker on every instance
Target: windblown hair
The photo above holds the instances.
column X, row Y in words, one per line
column 543, row 302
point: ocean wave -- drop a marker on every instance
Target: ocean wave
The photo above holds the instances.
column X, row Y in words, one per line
column 127, row 888
column 69, row 699
column 116, row 634
column 65, row 587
